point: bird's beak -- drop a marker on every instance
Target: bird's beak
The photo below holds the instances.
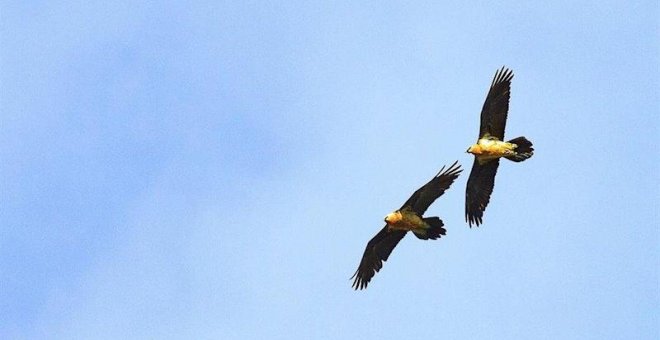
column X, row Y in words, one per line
column 388, row 218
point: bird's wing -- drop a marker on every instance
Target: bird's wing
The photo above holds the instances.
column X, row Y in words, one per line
column 378, row 250
column 479, row 187
column 496, row 106
column 424, row 196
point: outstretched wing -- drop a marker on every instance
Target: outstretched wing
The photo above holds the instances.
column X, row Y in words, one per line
column 496, row 106
column 378, row 250
column 424, row 196
column 479, row 187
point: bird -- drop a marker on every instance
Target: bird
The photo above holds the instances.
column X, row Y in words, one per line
column 490, row 147
column 408, row 218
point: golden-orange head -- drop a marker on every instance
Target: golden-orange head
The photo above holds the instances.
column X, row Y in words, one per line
column 474, row 149
column 393, row 218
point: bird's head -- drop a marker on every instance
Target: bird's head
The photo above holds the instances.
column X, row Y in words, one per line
column 393, row 218
column 474, row 149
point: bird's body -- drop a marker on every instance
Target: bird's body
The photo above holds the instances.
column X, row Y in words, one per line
column 408, row 218
column 405, row 219
column 490, row 147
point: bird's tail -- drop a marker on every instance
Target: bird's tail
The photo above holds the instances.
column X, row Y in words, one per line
column 523, row 151
column 434, row 231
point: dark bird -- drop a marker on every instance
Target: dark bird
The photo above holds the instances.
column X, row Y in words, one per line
column 407, row 218
column 490, row 147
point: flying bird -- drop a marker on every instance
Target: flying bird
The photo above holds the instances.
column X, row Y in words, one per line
column 407, row 218
column 490, row 147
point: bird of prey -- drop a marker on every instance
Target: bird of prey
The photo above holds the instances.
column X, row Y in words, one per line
column 490, row 147
column 407, row 218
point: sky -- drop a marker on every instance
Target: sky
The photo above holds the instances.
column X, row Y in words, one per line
column 214, row 170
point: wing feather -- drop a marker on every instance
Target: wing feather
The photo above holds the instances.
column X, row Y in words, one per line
column 479, row 188
column 496, row 106
column 429, row 192
column 378, row 250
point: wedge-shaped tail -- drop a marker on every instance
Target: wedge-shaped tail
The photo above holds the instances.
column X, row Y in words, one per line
column 435, row 231
column 523, row 151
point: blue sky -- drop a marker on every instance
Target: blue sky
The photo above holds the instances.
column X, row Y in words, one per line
column 213, row 170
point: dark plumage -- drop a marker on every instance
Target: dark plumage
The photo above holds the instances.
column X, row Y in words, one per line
column 479, row 188
column 496, row 107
